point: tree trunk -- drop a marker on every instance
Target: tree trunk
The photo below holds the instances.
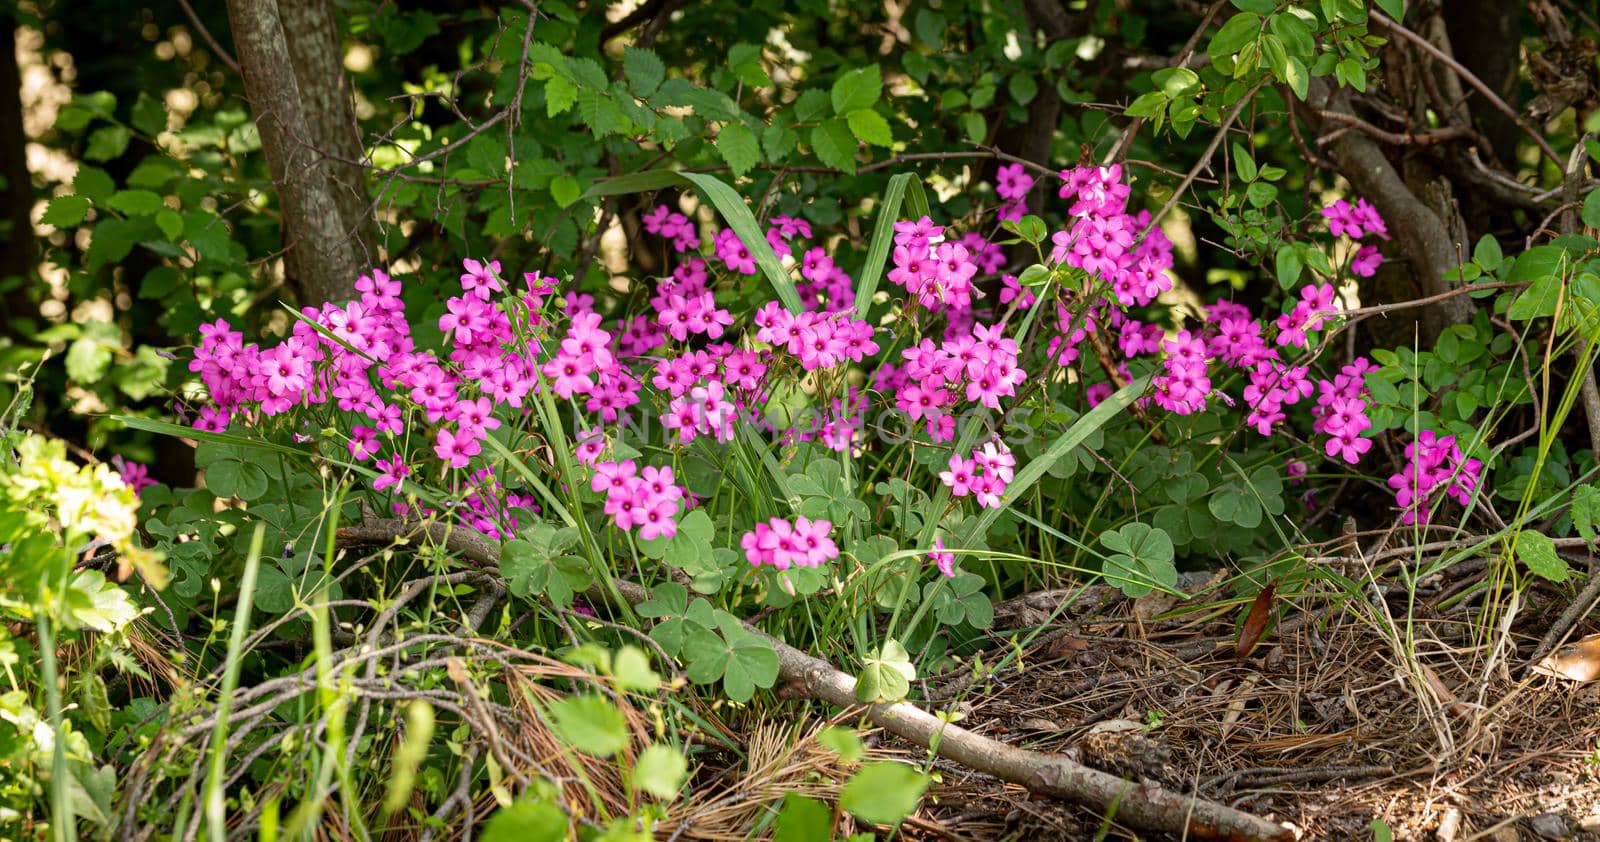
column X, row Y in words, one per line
column 16, row 225
column 313, row 38
column 325, row 251
column 1488, row 42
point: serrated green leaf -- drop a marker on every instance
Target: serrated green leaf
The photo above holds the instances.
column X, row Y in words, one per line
column 869, row 127
column 644, row 70
column 738, row 146
column 66, row 211
column 107, row 142
column 835, row 145
column 135, row 202
column 859, row 88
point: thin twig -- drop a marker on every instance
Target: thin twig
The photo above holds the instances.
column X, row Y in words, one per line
column 1471, row 79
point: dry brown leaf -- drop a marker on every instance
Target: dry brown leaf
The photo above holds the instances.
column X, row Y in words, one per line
column 1255, row 623
column 1578, row 661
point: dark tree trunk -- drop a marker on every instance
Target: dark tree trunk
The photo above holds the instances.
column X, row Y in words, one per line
column 324, row 251
column 1487, row 40
column 16, row 227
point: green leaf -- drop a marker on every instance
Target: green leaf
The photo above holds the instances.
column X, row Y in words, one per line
column 857, row 89
column 1244, row 163
column 135, row 202
column 835, row 145
column 559, row 95
column 93, row 184
column 842, row 741
column 1289, row 265
column 882, row 238
column 631, row 669
column 745, row 61
column 170, row 223
column 527, row 821
column 1487, row 253
column 1142, row 559
column 1586, row 511
column 737, row 214
column 1175, row 82
column 1295, row 34
column 1298, row 77
column 1538, row 552
column 744, row 661
column 883, row 792
column 66, row 211
column 1148, row 105
column 591, row 724
column 231, row 478
column 803, row 819
column 107, row 142
column 660, row 771
column 1393, row 8
column 738, row 147
column 644, row 70
column 1022, row 88
column 149, row 115
column 975, row 125
column 869, row 127
column 1240, row 29
column 811, row 106
column 886, row 674
column 565, row 190
column 1591, row 209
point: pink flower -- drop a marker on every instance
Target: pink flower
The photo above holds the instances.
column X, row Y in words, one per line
column 959, row 478
column 363, row 443
column 1365, row 263
column 391, row 472
column 134, row 475
column 457, row 448
column 945, row 561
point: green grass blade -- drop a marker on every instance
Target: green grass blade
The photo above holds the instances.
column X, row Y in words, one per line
column 635, row 182
column 882, row 241
column 215, row 812
column 737, row 214
column 1032, row 472
column 167, row 428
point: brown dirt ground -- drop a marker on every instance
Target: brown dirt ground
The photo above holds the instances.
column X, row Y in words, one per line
column 1327, row 725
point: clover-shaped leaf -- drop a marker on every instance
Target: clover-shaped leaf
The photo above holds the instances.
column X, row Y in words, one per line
column 1141, row 559
column 886, row 674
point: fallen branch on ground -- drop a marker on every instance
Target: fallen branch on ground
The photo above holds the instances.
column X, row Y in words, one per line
column 1141, row 805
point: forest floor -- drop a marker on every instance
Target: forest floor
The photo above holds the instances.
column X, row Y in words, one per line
column 1346, row 714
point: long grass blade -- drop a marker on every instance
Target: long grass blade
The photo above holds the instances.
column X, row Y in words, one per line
column 215, row 812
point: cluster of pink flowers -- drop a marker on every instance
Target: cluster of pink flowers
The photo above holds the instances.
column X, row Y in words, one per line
column 671, row 225
column 820, row 341
column 1357, row 221
column 938, row 272
column 489, row 366
column 981, row 367
column 1124, row 250
column 783, row 544
column 984, row 476
column 1434, row 464
column 1011, row 184
column 1341, row 411
column 647, row 498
